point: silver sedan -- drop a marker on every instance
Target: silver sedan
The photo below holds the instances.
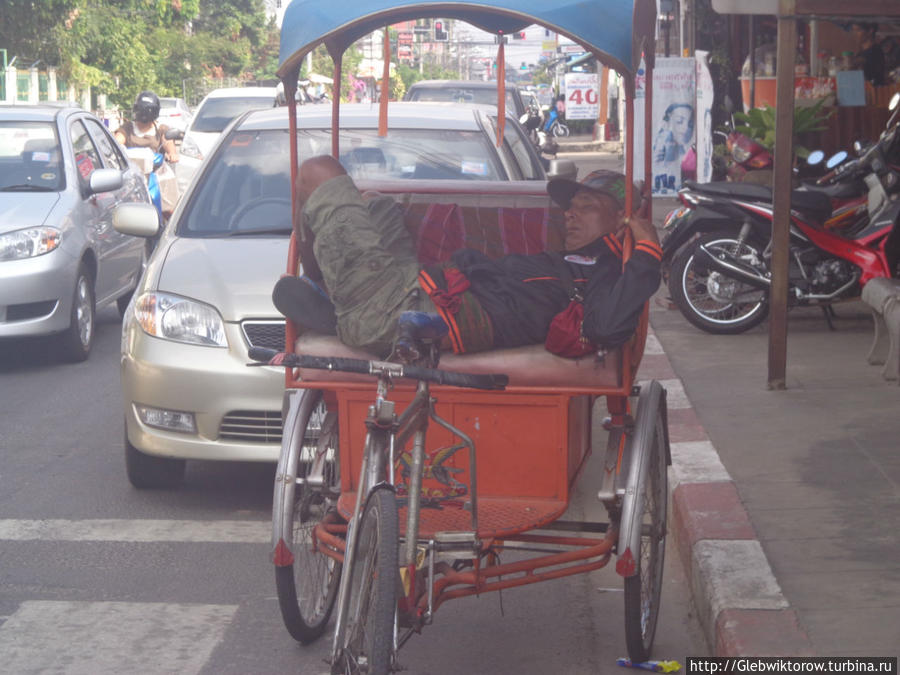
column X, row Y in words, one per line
column 61, row 175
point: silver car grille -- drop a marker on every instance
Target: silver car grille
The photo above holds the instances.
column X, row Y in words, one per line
column 251, row 426
column 269, row 334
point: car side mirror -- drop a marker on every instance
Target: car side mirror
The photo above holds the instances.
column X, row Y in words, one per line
column 105, row 180
column 562, row 168
column 137, row 219
column 174, row 134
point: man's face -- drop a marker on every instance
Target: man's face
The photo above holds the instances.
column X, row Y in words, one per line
column 590, row 216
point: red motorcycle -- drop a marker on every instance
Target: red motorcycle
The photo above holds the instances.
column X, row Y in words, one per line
column 717, row 249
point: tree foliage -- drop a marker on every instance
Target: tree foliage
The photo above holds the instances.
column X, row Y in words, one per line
column 120, row 48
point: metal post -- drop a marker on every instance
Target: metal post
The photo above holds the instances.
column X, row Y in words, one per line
column 781, row 188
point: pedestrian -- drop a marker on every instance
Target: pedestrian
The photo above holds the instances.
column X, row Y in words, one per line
column 357, row 246
column 869, row 56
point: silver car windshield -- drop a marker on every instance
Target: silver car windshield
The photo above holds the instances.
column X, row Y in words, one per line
column 30, row 157
column 245, row 190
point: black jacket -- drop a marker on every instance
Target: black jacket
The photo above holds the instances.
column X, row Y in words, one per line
column 522, row 293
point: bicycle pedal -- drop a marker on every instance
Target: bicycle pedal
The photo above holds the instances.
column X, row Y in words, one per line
column 456, row 541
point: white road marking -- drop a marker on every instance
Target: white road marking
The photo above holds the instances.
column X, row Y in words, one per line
column 100, row 638
column 229, row 531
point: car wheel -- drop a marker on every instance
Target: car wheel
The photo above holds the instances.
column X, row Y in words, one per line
column 77, row 340
column 150, row 472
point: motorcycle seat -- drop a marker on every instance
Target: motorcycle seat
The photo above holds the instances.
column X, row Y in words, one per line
column 842, row 189
column 814, row 204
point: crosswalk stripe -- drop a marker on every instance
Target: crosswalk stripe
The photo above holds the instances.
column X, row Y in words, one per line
column 227, row 531
column 111, row 638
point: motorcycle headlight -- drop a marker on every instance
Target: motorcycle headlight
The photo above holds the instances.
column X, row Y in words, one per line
column 28, row 243
column 172, row 317
column 189, row 148
column 740, row 154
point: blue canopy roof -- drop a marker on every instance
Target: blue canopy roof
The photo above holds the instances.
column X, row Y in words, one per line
column 616, row 31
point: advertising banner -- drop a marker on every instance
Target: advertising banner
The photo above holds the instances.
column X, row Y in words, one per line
column 673, row 119
column 704, row 118
column 582, row 96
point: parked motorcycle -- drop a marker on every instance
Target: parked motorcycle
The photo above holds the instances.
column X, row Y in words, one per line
column 717, row 249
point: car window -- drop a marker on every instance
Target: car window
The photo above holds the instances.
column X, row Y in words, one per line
column 520, row 148
column 30, row 157
column 87, row 158
column 409, row 153
column 246, row 185
column 112, row 158
column 215, row 114
column 482, row 95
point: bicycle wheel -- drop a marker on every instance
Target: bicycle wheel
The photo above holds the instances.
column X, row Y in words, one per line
column 308, row 587
column 374, row 576
column 642, row 590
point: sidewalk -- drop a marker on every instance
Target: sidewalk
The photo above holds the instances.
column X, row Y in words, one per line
column 786, row 504
column 586, row 143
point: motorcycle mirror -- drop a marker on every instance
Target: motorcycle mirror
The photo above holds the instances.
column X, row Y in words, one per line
column 815, row 158
column 836, row 159
column 523, row 119
column 895, row 101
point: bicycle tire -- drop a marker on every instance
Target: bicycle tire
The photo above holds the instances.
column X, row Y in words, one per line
column 374, row 578
column 642, row 590
column 308, row 587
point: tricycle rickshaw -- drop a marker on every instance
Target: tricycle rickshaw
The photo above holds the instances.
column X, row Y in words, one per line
column 386, row 517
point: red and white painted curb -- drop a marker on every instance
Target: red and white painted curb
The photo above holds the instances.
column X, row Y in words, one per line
column 740, row 604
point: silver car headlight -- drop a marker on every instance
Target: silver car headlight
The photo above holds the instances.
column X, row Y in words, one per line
column 29, row 243
column 189, row 148
column 172, row 317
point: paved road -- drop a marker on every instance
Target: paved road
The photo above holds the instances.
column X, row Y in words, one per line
column 96, row 577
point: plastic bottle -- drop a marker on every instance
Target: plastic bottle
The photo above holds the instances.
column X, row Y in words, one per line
column 847, row 60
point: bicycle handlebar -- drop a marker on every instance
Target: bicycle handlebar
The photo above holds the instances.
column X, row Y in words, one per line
column 346, row 365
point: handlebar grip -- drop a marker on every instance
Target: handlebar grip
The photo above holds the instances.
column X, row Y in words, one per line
column 469, row 380
column 345, row 365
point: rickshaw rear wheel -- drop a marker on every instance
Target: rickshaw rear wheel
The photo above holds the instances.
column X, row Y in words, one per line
column 307, row 589
column 374, row 579
column 642, row 590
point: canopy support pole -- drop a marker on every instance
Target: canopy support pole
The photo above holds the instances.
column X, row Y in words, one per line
column 336, row 106
column 781, row 189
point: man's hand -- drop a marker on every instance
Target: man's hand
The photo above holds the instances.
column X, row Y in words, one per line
column 642, row 228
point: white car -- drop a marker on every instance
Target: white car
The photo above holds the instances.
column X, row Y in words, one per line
column 207, row 295
column 215, row 111
column 174, row 113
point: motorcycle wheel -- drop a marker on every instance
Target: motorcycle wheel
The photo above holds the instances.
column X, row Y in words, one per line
column 708, row 299
column 559, row 130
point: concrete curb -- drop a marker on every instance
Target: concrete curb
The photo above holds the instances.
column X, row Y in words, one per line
column 740, row 604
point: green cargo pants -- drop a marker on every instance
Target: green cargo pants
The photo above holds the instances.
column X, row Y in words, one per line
column 368, row 262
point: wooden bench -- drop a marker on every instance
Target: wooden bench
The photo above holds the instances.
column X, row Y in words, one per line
column 883, row 297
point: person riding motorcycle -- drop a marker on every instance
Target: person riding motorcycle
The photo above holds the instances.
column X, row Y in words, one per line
column 143, row 131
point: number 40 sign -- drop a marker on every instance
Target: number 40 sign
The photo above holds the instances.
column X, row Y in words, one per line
column 582, row 96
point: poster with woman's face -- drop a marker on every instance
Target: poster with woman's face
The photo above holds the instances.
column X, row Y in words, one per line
column 673, row 154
